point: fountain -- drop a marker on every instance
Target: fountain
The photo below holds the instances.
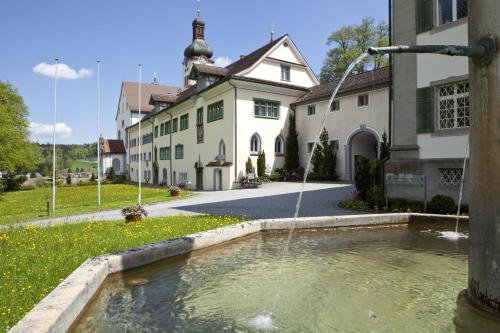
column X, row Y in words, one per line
column 484, row 243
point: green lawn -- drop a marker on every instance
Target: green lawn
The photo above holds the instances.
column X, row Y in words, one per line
column 35, row 260
column 29, row 205
column 89, row 166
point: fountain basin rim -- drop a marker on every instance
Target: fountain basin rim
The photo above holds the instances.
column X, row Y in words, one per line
column 59, row 310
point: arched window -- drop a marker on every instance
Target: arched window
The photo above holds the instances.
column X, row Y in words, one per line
column 255, row 144
column 222, row 150
column 279, row 145
column 119, row 135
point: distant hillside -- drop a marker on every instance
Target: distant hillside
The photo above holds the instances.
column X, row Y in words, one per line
column 68, row 157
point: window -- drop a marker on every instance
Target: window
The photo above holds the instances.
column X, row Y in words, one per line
column 215, row 111
column 450, row 176
column 164, row 153
column 174, row 125
column 184, row 122
column 334, row 144
column 255, row 144
column 179, row 152
column 453, row 103
column 335, row 105
column 156, row 131
column 451, row 10
column 363, row 100
column 162, row 129
column 310, row 146
column 199, row 116
column 266, row 109
column 279, row 145
column 285, row 73
column 149, row 156
column 183, row 177
column 168, row 127
column 222, row 150
column 311, row 110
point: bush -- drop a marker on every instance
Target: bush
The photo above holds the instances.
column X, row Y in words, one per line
column 68, row 179
column 354, row 203
column 442, row 204
column 134, row 213
column 404, row 205
column 93, row 177
column 276, row 176
column 261, row 164
column 249, row 166
column 13, row 182
column 375, row 197
column 110, row 173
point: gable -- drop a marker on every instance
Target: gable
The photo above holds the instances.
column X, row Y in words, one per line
column 284, row 53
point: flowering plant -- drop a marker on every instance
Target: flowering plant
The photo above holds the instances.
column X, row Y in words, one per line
column 134, row 213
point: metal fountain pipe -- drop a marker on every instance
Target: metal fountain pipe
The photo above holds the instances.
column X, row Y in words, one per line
column 482, row 52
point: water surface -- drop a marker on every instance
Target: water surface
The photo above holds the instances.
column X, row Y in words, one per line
column 366, row 280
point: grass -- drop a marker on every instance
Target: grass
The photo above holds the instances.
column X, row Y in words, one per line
column 29, row 205
column 35, row 260
column 89, row 166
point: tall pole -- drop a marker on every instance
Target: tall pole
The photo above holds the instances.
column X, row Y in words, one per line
column 140, row 138
column 54, row 141
column 98, row 141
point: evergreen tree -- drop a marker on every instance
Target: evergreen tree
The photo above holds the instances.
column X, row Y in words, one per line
column 384, row 147
column 68, row 179
column 317, row 159
column 249, row 166
column 261, row 164
column 93, row 177
column 292, row 146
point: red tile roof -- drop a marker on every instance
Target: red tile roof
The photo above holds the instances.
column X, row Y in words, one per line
column 131, row 90
column 113, row 147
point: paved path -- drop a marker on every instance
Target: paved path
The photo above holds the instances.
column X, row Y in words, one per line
column 273, row 200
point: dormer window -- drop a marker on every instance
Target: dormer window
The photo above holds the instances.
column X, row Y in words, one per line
column 285, row 73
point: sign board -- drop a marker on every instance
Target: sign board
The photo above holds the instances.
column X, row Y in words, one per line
column 405, row 186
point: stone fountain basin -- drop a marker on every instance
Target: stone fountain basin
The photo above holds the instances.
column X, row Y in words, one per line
column 61, row 308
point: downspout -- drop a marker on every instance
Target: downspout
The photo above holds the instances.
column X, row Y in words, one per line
column 152, row 122
column 391, row 97
column 170, row 147
column 235, row 130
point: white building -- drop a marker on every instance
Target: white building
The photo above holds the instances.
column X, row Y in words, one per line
column 205, row 133
column 113, row 155
column 431, row 94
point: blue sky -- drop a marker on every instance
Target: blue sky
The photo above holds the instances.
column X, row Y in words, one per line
column 124, row 33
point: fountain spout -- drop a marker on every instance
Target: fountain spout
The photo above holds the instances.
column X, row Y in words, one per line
column 482, row 53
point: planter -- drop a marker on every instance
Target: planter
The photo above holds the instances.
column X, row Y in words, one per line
column 133, row 218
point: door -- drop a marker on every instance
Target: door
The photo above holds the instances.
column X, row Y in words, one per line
column 217, row 180
column 199, row 179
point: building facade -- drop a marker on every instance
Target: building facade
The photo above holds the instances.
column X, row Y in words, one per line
column 431, row 95
column 202, row 135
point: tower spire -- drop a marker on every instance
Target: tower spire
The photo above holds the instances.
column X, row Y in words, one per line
column 198, row 7
column 272, row 32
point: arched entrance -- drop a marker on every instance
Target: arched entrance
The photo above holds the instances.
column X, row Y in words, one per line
column 217, row 180
column 364, row 141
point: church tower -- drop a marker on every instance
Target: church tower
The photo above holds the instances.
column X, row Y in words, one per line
column 198, row 51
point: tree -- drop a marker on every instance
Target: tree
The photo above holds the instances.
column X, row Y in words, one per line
column 69, row 170
column 68, row 179
column 317, row 159
column 384, row 148
column 249, row 166
column 110, row 173
column 261, row 164
column 17, row 153
column 350, row 42
column 93, row 177
column 292, row 145
column 324, row 159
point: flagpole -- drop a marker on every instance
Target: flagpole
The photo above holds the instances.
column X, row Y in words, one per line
column 98, row 141
column 54, row 142
column 140, row 138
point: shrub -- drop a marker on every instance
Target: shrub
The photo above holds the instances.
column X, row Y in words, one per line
column 363, row 178
column 13, row 182
column 134, row 213
column 110, row 173
column 442, row 204
column 292, row 145
column 68, row 179
column 93, row 177
column 276, row 176
column 404, row 205
column 375, row 197
column 249, row 166
column 261, row 164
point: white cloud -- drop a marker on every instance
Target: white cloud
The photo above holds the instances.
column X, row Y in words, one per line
column 222, row 61
column 40, row 132
column 63, row 71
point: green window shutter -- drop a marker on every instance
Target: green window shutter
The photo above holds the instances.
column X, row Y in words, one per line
column 424, row 15
column 425, row 110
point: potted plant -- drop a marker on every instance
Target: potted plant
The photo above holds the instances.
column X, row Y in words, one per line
column 134, row 213
column 174, row 191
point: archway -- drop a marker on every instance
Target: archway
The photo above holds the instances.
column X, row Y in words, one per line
column 361, row 142
column 117, row 165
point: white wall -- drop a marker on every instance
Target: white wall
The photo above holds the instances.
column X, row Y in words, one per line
column 341, row 124
column 431, row 68
column 107, row 162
